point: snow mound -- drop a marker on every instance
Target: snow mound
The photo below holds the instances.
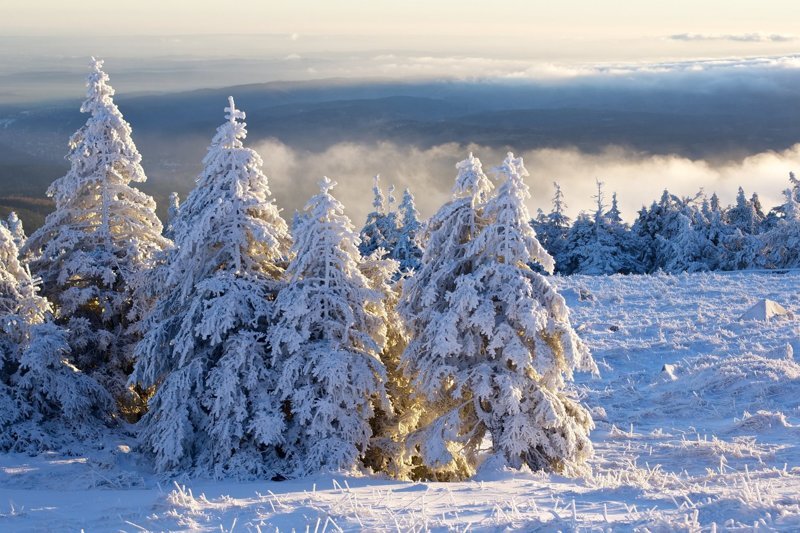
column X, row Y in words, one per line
column 761, row 422
column 755, row 381
column 496, row 468
column 766, row 310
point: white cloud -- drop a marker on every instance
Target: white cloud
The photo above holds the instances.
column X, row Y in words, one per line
column 638, row 179
column 739, row 37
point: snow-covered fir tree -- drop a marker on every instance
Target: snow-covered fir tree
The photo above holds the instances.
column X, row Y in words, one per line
column 715, row 205
column 795, row 186
column 744, row 215
column 683, row 246
column 604, row 253
column 205, row 342
column 552, row 229
column 380, row 229
column 614, row 216
column 491, row 344
column 46, row 404
column 102, row 234
column 715, row 232
column 668, row 235
column 326, row 343
column 370, row 237
column 758, row 209
column 387, row 452
column 680, row 243
column 578, row 241
column 780, row 246
column 408, row 246
column 600, row 244
column 448, row 235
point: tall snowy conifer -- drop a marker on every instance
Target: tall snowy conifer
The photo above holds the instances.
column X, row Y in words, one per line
column 380, row 228
column 387, row 452
column 205, row 341
column 408, row 248
column 491, row 344
column 46, row 404
column 614, row 216
column 552, row 229
column 102, row 234
column 744, row 215
column 780, row 246
column 326, row 343
column 601, row 244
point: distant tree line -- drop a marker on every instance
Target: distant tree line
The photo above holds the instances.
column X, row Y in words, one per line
column 674, row 234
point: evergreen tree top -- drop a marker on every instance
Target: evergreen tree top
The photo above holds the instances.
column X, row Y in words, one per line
column 408, row 210
column 229, row 221
column 600, row 198
column 509, row 236
column 378, row 201
column 102, row 150
column 99, row 92
column 559, row 205
column 614, row 214
column 231, row 134
column 471, row 182
column 557, row 216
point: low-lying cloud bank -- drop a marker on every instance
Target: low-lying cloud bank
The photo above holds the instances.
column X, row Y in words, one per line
column 429, row 172
column 737, row 37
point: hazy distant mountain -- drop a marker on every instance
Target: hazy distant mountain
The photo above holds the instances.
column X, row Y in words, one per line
column 173, row 130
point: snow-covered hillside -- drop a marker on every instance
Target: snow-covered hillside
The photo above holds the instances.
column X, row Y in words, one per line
column 698, row 424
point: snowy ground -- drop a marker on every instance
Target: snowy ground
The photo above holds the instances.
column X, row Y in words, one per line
column 708, row 442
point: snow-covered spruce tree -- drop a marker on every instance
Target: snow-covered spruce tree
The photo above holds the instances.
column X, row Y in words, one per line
column 204, row 346
column 492, row 346
column 671, row 234
column 780, row 246
column 578, row 242
column 714, row 203
column 600, row 244
column 603, row 253
column 684, row 249
column 552, row 229
column 776, row 213
column 436, row 447
column 629, row 246
column 744, row 215
column 715, row 232
column 46, row 404
column 408, row 246
column 387, row 452
column 101, row 235
column 326, row 343
column 380, row 228
column 681, row 243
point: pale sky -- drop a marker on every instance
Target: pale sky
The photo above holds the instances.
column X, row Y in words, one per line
column 177, row 45
column 514, row 19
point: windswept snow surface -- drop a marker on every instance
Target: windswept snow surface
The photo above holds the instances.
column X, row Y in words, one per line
column 698, row 425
